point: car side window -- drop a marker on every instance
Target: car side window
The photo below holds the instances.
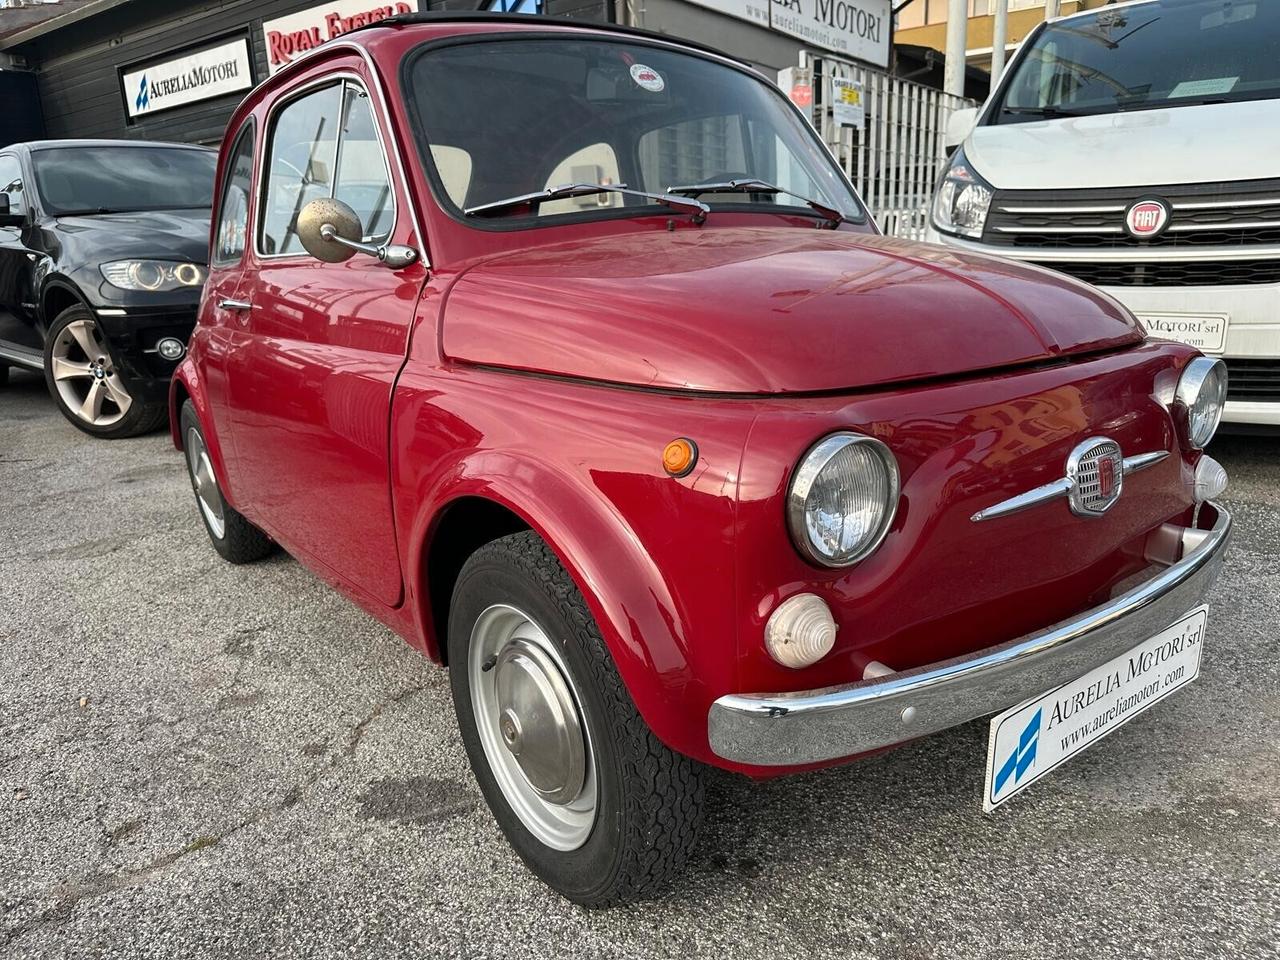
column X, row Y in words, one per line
column 11, row 183
column 362, row 181
column 233, row 219
column 302, row 148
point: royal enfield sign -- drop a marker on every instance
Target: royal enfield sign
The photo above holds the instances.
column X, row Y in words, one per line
column 290, row 37
column 208, row 73
column 858, row 29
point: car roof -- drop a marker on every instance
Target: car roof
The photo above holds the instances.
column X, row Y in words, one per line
column 436, row 17
column 34, row 145
column 1094, row 11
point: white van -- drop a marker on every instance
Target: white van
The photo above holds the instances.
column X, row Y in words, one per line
column 1137, row 147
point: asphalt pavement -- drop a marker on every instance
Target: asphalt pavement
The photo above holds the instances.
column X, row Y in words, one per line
column 201, row 760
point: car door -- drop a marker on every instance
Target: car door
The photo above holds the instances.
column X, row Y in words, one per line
column 224, row 312
column 17, row 299
column 311, row 391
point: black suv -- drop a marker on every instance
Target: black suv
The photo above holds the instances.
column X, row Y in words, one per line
column 103, row 253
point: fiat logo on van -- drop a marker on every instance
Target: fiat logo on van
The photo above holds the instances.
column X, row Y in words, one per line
column 1146, row 219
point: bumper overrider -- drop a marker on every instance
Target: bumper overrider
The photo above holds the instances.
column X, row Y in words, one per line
column 784, row 729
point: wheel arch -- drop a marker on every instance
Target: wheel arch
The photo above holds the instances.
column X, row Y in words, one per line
column 56, row 295
column 642, row 623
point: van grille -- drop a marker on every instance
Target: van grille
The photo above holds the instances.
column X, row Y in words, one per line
column 1253, row 379
column 1166, row 273
column 1203, row 215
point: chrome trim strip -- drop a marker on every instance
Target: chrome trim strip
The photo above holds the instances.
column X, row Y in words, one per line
column 1120, row 208
column 1141, row 461
column 785, row 729
column 1059, row 229
column 1246, row 225
column 1060, row 488
column 1221, row 204
column 111, row 312
column 1025, row 501
column 1139, row 254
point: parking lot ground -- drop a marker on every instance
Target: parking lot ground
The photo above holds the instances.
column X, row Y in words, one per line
column 200, row 760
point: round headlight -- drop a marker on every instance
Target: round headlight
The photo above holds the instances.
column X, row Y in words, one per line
column 1201, row 393
column 842, row 499
column 147, row 275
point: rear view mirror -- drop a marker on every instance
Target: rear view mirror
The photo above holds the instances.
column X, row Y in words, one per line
column 7, row 217
column 331, row 232
column 959, row 126
column 322, row 226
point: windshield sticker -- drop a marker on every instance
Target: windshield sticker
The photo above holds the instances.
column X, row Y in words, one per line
column 647, row 77
column 1203, row 88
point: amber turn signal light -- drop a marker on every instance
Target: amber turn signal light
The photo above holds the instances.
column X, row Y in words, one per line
column 679, row 457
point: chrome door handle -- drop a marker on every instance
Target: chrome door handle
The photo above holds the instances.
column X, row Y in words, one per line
column 238, row 306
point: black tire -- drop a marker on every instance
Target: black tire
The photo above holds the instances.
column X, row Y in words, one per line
column 4, row 374
column 140, row 418
column 649, row 798
column 240, row 541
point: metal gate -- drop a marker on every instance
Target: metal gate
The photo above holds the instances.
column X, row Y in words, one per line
column 895, row 156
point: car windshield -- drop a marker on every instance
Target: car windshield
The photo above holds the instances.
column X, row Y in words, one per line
column 73, row 180
column 1167, row 54
column 499, row 119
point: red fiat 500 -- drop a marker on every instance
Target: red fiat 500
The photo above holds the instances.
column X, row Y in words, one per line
column 569, row 353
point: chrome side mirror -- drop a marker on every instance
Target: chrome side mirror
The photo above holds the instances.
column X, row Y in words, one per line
column 330, row 231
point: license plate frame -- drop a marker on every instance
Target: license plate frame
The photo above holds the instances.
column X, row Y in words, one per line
column 1030, row 740
column 1204, row 331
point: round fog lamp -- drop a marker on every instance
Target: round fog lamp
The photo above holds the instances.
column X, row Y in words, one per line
column 171, row 348
column 800, row 632
column 1211, row 479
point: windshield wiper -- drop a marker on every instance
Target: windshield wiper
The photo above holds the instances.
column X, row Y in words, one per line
column 1049, row 112
column 833, row 217
column 88, row 211
column 566, row 191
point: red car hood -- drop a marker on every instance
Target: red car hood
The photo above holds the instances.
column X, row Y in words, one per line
column 768, row 310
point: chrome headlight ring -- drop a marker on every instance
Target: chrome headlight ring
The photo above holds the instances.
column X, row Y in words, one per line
column 1200, row 397
column 842, row 476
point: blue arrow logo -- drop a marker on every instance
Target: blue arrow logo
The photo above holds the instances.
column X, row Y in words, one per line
column 1023, row 756
column 144, row 100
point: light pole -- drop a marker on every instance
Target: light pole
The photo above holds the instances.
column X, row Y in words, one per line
column 957, row 39
column 999, row 37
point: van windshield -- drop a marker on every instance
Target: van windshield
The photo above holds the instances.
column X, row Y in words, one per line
column 1171, row 53
column 497, row 119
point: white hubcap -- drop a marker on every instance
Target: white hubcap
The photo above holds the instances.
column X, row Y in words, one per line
column 206, row 484
column 531, row 727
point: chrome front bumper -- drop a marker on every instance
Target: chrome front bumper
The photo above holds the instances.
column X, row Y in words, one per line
column 783, row 729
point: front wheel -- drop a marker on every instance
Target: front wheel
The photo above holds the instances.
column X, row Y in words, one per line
column 592, row 801
column 83, row 381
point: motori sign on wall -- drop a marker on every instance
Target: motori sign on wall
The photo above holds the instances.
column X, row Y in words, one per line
column 208, row 73
column 854, row 28
column 291, row 36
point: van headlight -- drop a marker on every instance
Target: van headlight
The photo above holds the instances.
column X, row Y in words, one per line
column 842, row 499
column 1201, row 394
column 153, row 276
column 960, row 206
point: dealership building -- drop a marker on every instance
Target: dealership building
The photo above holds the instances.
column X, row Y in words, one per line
column 175, row 69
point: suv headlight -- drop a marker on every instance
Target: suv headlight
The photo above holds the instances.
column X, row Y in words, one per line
column 1201, row 393
column 963, row 198
column 153, row 276
column 842, row 499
